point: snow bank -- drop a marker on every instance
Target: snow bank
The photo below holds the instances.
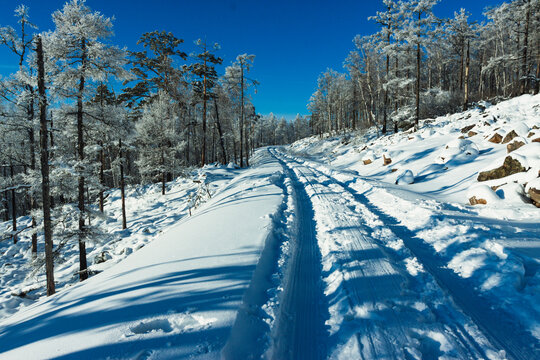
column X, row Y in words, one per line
column 176, row 297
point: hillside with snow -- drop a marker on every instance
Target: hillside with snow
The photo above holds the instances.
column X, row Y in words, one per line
column 415, row 245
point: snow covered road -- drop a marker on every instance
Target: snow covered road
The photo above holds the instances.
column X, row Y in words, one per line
column 381, row 302
column 295, row 259
column 400, row 296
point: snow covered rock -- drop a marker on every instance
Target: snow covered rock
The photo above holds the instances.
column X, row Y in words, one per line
column 406, row 177
column 368, row 157
column 509, row 167
column 102, row 257
column 515, row 144
column 512, row 192
column 460, row 150
column 511, row 135
column 496, row 138
column 467, row 128
column 533, row 191
column 482, row 194
column 387, row 160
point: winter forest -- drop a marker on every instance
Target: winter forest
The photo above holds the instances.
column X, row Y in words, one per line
column 63, row 120
column 85, row 123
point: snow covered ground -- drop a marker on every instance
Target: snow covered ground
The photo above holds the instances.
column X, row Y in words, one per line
column 317, row 251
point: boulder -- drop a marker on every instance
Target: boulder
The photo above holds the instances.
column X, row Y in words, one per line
column 536, row 140
column 472, row 133
column 534, row 194
column 533, row 191
column 367, row 162
column 387, row 160
column 512, row 134
column 474, row 201
column 496, row 138
column 509, row 167
column 467, row 128
column 481, row 194
column 514, row 145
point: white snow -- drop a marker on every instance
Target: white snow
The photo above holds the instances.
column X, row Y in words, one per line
column 175, row 297
column 365, row 260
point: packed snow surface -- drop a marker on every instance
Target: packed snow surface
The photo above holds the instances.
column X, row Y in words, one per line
column 317, row 251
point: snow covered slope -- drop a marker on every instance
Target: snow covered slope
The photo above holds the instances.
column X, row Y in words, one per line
column 176, row 297
column 447, row 153
column 491, row 250
column 319, row 251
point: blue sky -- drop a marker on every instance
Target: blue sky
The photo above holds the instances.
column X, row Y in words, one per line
column 294, row 41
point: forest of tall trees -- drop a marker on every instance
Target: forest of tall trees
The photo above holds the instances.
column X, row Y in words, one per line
column 419, row 66
column 81, row 116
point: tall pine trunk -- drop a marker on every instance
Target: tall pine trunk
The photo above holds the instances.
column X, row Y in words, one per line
column 466, row 85
column 385, row 106
column 242, row 115
column 122, row 185
column 418, row 61
column 13, row 204
column 203, row 150
column 220, row 133
column 32, row 139
column 101, row 178
column 45, row 184
column 83, row 273
column 524, row 69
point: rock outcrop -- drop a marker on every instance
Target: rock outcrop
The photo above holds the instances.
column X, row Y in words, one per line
column 509, row 167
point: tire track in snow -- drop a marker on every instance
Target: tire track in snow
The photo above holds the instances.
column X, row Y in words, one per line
column 299, row 331
column 381, row 321
column 497, row 325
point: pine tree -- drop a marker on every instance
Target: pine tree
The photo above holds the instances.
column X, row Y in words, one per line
column 81, row 56
column 205, row 70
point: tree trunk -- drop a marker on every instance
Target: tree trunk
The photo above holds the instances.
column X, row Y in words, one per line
column 466, row 85
column 396, row 93
column 45, row 185
column 101, row 177
column 524, row 69
column 461, row 68
column 32, row 139
column 203, row 150
column 122, row 186
column 163, row 173
column 83, row 273
column 418, row 60
column 220, row 132
column 385, row 111
column 242, row 115
column 13, row 205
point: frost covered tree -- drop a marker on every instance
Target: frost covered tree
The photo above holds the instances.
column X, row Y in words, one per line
column 238, row 82
column 44, row 159
column 78, row 49
column 158, row 142
column 19, row 91
column 204, row 69
column 155, row 68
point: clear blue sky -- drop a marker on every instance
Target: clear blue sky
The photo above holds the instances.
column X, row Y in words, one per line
column 294, row 41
